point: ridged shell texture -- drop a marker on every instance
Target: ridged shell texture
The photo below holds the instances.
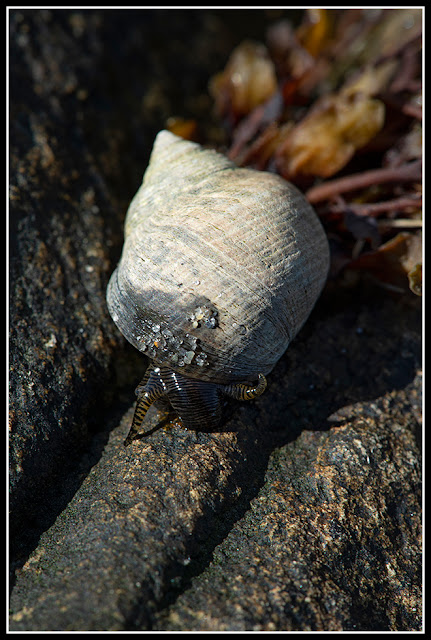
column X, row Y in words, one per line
column 221, row 265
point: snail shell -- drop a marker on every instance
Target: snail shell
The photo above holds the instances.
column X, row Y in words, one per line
column 220, row 268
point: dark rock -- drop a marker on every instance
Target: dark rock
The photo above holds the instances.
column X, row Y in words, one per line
column 332, row 541
column 61, row 215
column 123, row 542
column 305, row 512
column 313, row 526
column 89, row 91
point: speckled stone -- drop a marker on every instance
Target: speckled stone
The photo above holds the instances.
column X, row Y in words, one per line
column 331, row 542
column 313, row 523
column 86, row 103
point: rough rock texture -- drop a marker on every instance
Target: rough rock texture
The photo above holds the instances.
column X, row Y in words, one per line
column 305, row 512
column 330, row 542
column 86, row 104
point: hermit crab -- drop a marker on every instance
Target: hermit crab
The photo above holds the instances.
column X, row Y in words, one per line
column 220, row 268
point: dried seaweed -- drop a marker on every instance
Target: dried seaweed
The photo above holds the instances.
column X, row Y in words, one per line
column 334, row 105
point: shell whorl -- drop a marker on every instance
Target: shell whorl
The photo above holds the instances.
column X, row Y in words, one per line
column 220, row 267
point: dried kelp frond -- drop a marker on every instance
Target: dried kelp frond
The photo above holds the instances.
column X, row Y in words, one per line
column 334, row 105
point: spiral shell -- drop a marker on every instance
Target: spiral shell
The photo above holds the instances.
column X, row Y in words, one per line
column 221, row 265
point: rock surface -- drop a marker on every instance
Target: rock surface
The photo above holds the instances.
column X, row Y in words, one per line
column 304, row 513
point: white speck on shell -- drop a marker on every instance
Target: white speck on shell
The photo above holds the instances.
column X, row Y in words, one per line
column 204, row 317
